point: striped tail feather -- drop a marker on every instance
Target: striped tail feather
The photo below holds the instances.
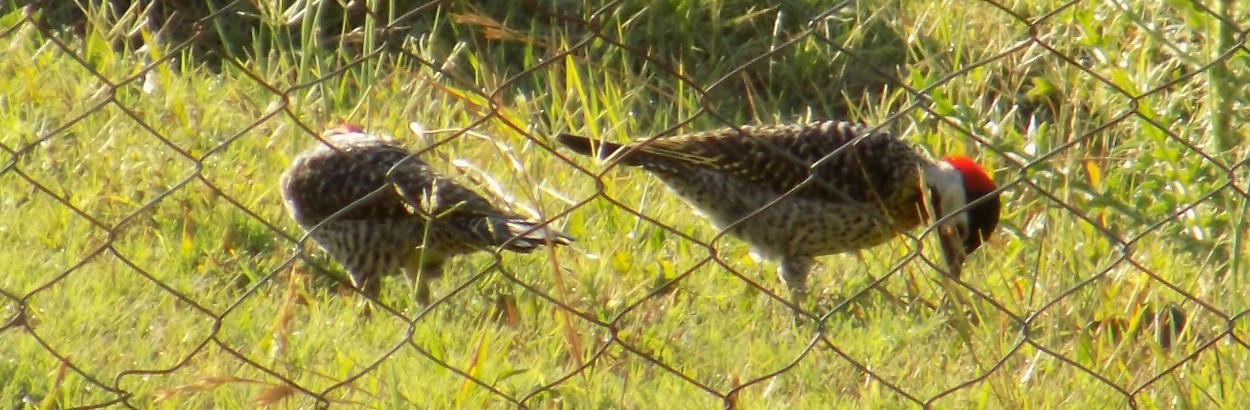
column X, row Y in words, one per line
column 586, row 146
column 526, row 236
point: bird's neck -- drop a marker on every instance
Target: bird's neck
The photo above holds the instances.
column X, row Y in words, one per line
column 944, row 188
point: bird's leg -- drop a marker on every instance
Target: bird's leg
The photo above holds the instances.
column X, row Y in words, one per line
column 370, row 287
column 362, row 275
column 793, row 272
column 951, row 240
column 427, row 272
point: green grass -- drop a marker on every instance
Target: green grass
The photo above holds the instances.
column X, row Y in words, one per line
column 145, row 240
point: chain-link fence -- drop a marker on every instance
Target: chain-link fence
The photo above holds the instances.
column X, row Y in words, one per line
column 149, row 261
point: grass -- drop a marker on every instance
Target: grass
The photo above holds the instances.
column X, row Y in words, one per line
column 151, row 264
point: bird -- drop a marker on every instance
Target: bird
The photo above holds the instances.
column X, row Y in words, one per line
column 853, row 188
column 377, row 209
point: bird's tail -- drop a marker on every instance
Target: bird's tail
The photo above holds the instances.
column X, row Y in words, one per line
column 522, row 236
column 600, row 149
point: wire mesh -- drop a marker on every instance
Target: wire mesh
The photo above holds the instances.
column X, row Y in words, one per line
column 152, row 213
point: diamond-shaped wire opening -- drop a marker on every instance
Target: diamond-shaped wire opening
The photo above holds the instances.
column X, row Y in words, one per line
column 299, row 339
column 159, row 336
column 1192, row 252
column 495, row 350
column 218, row 377
column 1129, row 327
column 689, row 331
column 35, row 222
column 1220, row 379
column 642, row 266
column 999, row 383
column 30, row 354
column 210, row 252
column 652, row 379
column 814, row 375
column 1049, row 271
column 908, row 335
column 1072, row 382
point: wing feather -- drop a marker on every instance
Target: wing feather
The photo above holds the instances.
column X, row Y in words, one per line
column 782, row 157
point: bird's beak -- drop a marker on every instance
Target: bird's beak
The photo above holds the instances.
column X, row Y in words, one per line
column 952, row 249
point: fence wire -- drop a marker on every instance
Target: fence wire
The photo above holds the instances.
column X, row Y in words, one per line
column 1055, row 142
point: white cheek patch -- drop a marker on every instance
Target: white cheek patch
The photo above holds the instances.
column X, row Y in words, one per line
column 949, row 185
column 951, row 202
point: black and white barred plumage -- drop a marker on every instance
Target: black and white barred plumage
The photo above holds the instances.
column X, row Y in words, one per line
column 376, row 208
column 867, row 192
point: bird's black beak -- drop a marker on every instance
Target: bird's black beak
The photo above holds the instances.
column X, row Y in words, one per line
column 952, row 249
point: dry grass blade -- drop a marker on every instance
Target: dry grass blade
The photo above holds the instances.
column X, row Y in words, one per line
column 493, row 29
column 205, row 383
column 273, row 394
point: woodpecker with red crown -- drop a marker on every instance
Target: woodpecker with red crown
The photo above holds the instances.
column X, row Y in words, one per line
column 376, row 208
column 779, row 189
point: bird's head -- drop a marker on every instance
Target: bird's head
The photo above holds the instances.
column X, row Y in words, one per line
column 343, row 127
column 959, row 185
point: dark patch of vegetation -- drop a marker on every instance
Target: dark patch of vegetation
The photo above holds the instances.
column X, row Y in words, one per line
column 818, row 56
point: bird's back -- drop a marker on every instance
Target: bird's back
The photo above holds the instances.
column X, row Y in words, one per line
column 730, row 174
column 350, row 172
column 373, row 186
column 374, row 207
column 779, row 158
